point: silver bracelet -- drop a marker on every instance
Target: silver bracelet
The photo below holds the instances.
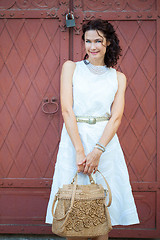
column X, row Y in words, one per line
column 100, row 145
column 100, row 148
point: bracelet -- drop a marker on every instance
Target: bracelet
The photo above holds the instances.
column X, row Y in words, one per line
column 100, row 145
column 100, row 148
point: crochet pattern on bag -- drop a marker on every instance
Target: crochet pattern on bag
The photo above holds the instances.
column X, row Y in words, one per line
column 88, row 214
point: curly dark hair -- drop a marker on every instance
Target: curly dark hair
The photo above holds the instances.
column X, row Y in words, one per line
column 113, row 51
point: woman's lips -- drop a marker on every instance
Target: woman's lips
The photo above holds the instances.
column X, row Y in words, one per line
column 94, row 53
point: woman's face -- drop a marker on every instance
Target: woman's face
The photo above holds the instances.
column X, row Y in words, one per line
column 95, row 45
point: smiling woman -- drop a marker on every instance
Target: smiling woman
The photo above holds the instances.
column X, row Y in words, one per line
column 92, row 101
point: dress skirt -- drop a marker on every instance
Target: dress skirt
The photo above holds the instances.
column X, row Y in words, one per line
column 112, row 165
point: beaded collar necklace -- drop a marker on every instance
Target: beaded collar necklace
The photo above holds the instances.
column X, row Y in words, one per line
column 96, row 69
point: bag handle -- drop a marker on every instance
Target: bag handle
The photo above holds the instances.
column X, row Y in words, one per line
column 109, row 190
column 90, row 178
column 72, row 201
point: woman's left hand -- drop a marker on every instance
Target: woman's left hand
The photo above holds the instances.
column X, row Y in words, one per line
column 92, row 161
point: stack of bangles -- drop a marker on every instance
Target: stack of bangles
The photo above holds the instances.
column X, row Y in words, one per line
column 100, row 147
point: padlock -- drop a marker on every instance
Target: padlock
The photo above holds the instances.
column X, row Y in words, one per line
column 70, row 22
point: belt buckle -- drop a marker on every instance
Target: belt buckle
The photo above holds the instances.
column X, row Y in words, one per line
column 92, row 120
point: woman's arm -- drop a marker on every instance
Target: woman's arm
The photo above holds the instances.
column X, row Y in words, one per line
column 92, row 159
column 66, row 94
column 116, row 111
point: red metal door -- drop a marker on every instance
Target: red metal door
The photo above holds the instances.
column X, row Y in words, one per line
column 137, row 25
column 33, row 46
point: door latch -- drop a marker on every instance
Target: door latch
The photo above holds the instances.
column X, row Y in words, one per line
column 47, row 104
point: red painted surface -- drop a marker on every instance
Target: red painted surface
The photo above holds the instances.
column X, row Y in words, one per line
column 31, row 56
column 33, row 46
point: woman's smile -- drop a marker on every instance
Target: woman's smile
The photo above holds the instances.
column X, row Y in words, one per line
column 94, row 53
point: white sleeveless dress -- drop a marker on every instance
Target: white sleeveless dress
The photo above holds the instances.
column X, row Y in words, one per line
column 93, row 95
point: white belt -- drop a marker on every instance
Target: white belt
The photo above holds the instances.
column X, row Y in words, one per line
column 91, row 119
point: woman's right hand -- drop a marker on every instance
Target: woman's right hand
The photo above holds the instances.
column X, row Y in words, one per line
column 81, row 161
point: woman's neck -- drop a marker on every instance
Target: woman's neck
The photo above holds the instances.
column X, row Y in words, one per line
column 96, row 62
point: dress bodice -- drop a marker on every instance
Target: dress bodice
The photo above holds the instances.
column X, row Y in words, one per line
column 93, row 94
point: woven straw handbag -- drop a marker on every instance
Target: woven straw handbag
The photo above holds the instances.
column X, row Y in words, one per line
column 81, row 210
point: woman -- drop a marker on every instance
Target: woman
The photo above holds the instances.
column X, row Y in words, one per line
column 92, row 100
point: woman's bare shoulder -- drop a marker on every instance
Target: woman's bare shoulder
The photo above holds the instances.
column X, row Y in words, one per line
column 69, row 65
column 67, row 71
column 120, row 75
column 121, row 79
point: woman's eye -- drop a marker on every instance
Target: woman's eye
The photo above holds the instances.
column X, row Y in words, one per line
column 98, row 41
column 87, row 41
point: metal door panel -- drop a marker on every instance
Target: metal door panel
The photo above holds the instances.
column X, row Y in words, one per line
column 31, row 57
column 136, row 25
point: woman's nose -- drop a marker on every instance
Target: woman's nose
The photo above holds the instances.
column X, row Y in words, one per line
column 93, row 46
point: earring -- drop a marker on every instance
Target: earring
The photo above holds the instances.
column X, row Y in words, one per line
column 86, row 56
